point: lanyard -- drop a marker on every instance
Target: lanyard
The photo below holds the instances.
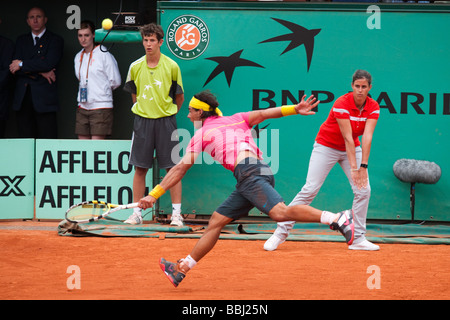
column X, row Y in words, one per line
column 89, row 62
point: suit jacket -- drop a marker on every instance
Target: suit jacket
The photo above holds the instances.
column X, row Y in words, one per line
column 6, row 55
column 42, row 57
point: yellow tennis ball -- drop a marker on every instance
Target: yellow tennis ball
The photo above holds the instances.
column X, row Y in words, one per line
column 107, row 24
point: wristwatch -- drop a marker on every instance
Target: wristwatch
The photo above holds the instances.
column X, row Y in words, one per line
column 364, row 165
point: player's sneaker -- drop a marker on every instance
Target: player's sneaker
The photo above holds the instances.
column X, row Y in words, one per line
column 135, row 218
column 345, row 225
column 177, row 220
column 273, row 242
column 172, row 271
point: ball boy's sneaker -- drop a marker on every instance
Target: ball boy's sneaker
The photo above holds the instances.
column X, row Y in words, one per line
column 135, row 218
column 177, row 220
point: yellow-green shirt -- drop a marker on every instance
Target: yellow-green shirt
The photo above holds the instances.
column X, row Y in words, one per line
column 155, row 88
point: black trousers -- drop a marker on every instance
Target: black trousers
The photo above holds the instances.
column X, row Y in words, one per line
column 3, row 123
column 33, row 124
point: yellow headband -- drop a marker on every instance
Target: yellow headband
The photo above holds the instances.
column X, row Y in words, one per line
column 197, row 104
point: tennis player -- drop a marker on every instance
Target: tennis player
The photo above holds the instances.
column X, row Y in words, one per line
column 352, row 115
column 229, row 141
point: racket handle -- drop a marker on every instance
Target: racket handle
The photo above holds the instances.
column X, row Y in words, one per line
column 132, row 205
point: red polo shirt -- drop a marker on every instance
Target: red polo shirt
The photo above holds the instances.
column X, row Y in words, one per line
column 344, row 108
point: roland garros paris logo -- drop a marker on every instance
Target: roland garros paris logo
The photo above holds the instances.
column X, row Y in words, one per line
column 187, row 37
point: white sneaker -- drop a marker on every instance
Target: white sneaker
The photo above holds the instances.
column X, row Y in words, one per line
column 364, row 245
column 177, row 221
column 273, row 242
column 135, row 218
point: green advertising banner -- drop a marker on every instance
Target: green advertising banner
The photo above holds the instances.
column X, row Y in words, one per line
column 73, row 171
column 17, row 179
column 256, row 56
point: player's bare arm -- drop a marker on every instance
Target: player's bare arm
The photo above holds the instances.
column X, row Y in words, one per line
column 303, row 108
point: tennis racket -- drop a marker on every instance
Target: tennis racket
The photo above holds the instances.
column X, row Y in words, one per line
column 89, row 211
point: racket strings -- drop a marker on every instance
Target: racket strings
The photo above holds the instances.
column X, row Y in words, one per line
column 87, row 211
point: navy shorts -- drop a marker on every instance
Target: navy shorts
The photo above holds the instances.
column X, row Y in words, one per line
column 254, row 188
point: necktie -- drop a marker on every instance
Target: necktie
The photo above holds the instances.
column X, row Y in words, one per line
column 36, row 39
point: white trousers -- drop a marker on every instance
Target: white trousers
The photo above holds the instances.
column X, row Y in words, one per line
column 321, row 162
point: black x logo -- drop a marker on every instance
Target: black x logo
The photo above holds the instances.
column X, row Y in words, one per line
column 11, row 186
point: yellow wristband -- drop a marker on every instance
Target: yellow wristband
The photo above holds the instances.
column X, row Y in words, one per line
column 157, row 191
column 288, row 110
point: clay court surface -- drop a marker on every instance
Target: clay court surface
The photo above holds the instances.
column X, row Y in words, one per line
column 34, row 264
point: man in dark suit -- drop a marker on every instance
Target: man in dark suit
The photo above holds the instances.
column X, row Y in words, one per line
column 6, row 55
column 35, row 61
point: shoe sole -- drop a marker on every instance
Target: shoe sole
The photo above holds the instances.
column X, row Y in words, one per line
column 364, row 249
column 355, row 247
column 163, row 268
column 133, row 222
column 352, row 226
column 348, row 223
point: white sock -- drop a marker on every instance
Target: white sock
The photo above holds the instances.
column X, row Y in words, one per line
column 137, row 211
column 327, row 217
column 176, row 208
column 190, row 262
